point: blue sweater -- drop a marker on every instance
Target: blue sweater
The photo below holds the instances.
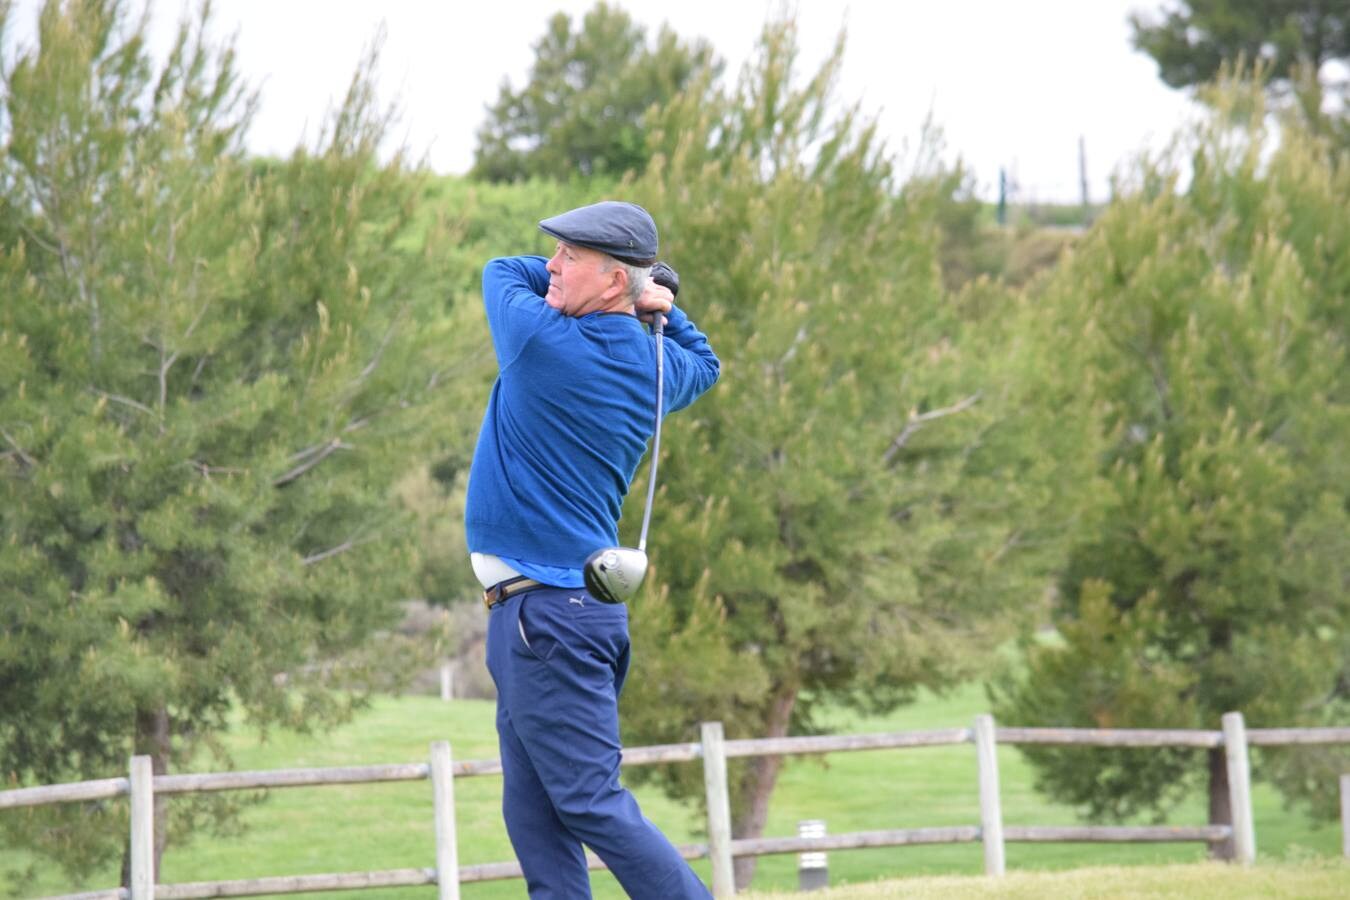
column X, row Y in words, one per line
column 568, row 418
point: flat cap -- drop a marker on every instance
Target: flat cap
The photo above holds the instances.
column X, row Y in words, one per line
column 623, row 230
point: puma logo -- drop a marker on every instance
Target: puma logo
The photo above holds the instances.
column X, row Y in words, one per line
column 577, row 600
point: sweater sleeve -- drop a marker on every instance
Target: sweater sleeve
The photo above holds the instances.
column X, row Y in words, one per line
column 691, row 366
column 513, row 297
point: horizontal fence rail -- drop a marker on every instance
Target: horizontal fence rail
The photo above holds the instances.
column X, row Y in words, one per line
column 296, row 884
column 277, row 778
column 1110, row 737
column 898, row 837
column 721, row 848
column 1131, row 834
column 1284, row 737
column 64, row 793
column 829, row 743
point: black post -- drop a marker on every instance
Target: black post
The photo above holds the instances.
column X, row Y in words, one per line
column 1082, row 179
column 1002, row 196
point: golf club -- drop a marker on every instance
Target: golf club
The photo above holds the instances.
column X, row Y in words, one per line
column 614, row 574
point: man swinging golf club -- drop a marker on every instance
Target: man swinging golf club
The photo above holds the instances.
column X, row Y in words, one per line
column 567, row 422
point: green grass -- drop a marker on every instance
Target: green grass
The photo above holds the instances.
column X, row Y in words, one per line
column 1197, row 881
column 359, row 827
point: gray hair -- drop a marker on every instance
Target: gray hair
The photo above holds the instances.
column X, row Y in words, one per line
column 637, row 276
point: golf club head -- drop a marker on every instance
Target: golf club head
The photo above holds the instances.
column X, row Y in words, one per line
column 614, row 574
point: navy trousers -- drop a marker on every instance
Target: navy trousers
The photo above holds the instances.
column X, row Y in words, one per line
column 559, row 658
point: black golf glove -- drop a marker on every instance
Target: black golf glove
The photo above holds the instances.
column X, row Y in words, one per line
column 667, row 277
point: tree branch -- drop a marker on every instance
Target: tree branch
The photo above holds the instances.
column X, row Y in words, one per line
column 354, row 425
column 917, row 422
column 37, row 239
column 791, row 351
column 125, row 401
column 201, row 364
column 1010, row 542
column 205, row 469
column 166, row 364
column 1149, row 357
column 346, row 545
column 379, row 351
column 27, row 460
column 1160, row 385
column 318, row 453
column 76, row 274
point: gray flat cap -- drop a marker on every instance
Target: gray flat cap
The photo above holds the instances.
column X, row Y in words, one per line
column 623, row 230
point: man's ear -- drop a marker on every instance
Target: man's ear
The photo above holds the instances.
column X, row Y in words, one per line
column 618, row 283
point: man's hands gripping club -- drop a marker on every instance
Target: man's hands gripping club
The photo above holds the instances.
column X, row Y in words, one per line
column 659, row 294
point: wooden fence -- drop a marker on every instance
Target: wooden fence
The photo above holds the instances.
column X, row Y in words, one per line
column 714, row 750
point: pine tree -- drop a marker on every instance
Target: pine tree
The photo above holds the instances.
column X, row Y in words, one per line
column 1205, row 328
column 1194, row 39
column 211, row 371
column 584, row 109
column 839, row 519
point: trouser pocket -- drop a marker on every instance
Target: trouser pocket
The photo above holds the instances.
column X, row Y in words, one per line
column 538, row 635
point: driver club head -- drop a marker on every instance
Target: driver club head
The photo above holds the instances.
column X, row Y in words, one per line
column 614, row 574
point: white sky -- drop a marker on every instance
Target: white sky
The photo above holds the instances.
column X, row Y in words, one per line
column 1012, row 83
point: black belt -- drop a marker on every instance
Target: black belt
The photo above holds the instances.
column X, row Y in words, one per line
column 502, row 590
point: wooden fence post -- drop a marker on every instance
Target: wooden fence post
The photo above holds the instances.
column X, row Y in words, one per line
column 443, row 799
column 719, row 811
column 991, row 811
column 1239, row 787
column 1345, row 815
column 142, row 829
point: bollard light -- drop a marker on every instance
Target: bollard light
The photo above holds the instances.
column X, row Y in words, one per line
column 813, row 871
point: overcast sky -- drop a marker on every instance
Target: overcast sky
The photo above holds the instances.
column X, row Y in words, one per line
column 1012, row 83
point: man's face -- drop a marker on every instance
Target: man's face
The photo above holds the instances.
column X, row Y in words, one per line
column 581, row 281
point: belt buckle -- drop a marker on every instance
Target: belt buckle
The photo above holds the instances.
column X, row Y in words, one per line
column 493, row 595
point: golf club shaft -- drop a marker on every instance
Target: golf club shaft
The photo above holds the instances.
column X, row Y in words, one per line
column 658, row 327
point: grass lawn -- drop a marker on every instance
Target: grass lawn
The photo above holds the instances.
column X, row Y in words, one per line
column 1309, row 880
column 360, row 827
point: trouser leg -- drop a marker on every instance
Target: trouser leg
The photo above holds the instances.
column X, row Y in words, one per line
column 567, row 658
column 550, row 856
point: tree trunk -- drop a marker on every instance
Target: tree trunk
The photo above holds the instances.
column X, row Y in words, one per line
column 1220, row 804
column 154, row 739
column 757, row 785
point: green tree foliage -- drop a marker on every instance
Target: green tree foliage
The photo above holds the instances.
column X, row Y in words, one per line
column 1194, row 38
column 838, row 520
column 1205, row 329
column 584, row 109
column 211, row 371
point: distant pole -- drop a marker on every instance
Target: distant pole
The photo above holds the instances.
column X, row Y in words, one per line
column 1082, row 177
column 447, row 682
column 1002, row 196
column 813, row 868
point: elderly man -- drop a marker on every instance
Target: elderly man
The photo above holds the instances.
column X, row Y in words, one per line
column 567, row 423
